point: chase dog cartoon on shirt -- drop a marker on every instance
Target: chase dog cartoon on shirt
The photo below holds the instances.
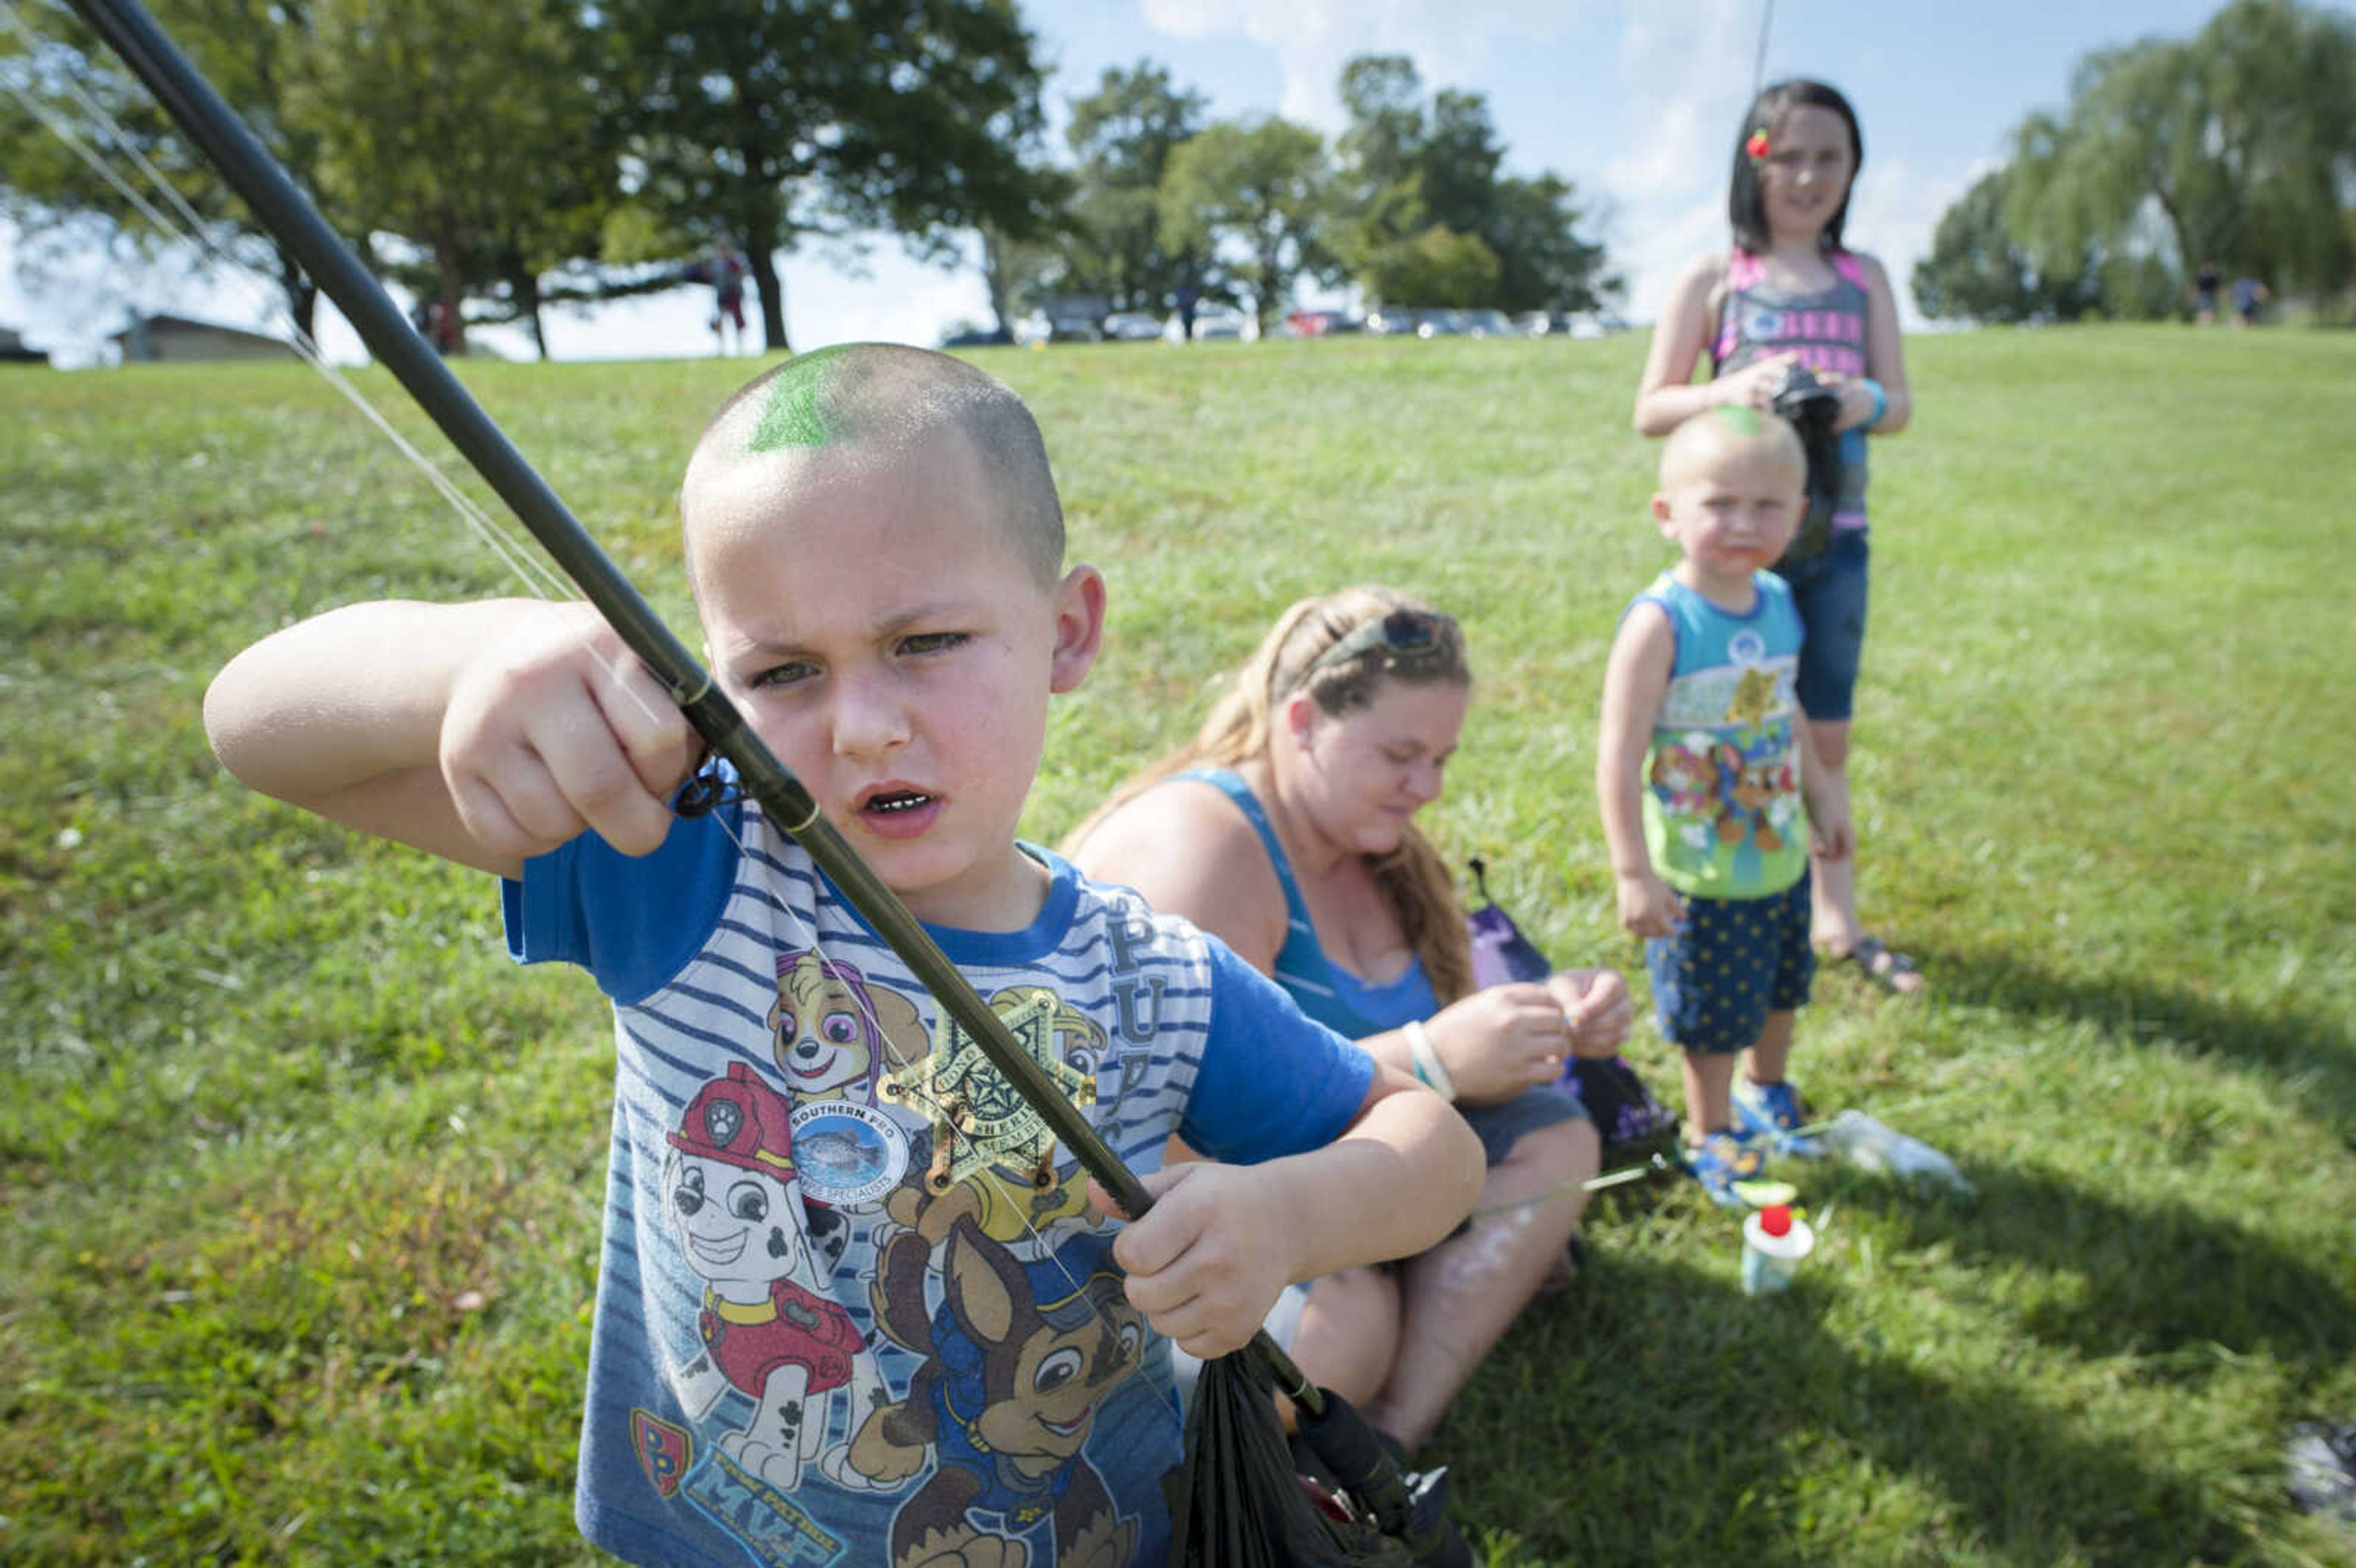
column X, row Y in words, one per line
column 1724, row 774
column 994, row 1343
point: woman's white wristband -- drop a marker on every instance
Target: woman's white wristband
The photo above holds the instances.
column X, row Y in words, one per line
column 1427, row 1061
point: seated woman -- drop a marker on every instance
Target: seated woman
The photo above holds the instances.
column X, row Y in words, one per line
column 1287, row 828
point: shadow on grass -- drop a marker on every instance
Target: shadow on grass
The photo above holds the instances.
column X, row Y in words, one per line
column 1661, row 1415
column 2140, row 1280
column 2291, row 1041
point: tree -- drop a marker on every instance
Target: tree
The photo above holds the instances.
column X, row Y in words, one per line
column 2242, row 139
column 1121, row 136
column 1259, row 185
column 1382, row 96
column 1977, row 272
column 1542, row 262
column 761, row 122
column 1426, row 213
column 255, row 54
column 461, row 126
column 1436, row 265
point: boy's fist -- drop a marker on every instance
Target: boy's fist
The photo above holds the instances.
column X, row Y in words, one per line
column 556, row 730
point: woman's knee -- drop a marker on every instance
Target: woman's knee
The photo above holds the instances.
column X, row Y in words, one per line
column 1349, row 1332
column 1558, row 1152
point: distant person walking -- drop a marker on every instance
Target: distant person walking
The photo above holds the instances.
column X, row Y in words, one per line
column 2205, row 284
column 728, row 270
column 1790, row 293
column 724, row 269
column 2248, row 295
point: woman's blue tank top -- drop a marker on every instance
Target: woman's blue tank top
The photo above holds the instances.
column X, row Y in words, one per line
column 1325, row 991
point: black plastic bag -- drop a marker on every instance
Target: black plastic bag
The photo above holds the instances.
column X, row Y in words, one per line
column 1238, row 1499
column 1813, row 409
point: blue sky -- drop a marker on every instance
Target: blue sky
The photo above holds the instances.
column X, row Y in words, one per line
column 1635, row 101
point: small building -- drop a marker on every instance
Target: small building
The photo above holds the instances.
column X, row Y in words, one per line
column 176, row 337
column 14, row 352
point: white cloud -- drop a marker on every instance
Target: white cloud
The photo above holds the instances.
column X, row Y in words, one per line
column 1684, row 77
column 1895, row 212
column 1312, row 40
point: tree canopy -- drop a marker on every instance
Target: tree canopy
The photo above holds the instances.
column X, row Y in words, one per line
column 763, row 124
column 1259, row 185
column 252, row 51
column 500, row 154
column 2236, row 147
column 1977, row 272
column 420, row 124
column 1425, row 213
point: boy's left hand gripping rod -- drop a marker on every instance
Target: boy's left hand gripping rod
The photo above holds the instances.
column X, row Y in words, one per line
column 209, row 123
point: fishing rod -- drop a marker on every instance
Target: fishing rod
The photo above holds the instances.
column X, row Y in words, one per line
column 199, row 112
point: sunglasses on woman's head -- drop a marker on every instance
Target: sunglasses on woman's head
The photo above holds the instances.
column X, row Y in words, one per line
column 1407, row 632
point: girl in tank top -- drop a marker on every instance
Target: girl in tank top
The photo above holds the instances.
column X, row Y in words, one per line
column 1789, row 291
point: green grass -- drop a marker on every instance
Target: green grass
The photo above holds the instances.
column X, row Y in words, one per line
column 302, row 1178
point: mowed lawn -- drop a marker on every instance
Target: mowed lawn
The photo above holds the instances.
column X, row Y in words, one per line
column 301, row 1177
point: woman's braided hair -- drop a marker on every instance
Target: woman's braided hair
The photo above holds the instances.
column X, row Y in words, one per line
column 1412, row 877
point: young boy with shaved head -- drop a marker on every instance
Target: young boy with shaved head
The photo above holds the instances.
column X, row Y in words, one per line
column 851, row 1305
column 1703, row 771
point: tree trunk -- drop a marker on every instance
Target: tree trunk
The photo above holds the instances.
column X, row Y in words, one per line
column 993, row 278
column 527, row 292
column 451, row 328
column 770, row 284
column 302, row 295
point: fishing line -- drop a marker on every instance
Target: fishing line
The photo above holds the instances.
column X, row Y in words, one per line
column 1759, row 63
column 535, row 573
column 527, row 565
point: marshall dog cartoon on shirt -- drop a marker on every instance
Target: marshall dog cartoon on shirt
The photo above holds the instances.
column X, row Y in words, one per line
column 741, row 1227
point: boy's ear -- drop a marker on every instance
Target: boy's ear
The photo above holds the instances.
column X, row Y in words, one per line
column 1079, row 627
column 1660, row 510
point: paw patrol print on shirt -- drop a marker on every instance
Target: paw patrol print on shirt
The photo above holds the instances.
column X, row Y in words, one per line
column 979, row 1119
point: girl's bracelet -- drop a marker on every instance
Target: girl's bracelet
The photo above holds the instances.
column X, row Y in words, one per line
column 1880, row 400
column 1427, row 1062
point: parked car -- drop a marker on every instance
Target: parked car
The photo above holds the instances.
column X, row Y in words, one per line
column 1485, row 324
column 1431, row 323
column 1131, row 327
column 979, row 337
column 1218, row 321
column 1544, row 322
column 1391, row 321
column 1321, row 322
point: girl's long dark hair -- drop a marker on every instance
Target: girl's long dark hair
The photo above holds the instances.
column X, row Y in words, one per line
column 1746, row 204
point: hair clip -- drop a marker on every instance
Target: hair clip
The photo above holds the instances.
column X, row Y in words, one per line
column 1757, row 146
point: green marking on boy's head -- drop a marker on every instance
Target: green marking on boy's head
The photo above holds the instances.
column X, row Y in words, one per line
column 1697, row 445
column 886, row 404
column 794, row 411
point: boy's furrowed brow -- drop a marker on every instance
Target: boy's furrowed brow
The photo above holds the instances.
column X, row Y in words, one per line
column 929, row 615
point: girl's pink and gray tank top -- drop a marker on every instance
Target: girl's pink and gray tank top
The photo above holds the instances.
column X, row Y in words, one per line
column 1826, row 327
